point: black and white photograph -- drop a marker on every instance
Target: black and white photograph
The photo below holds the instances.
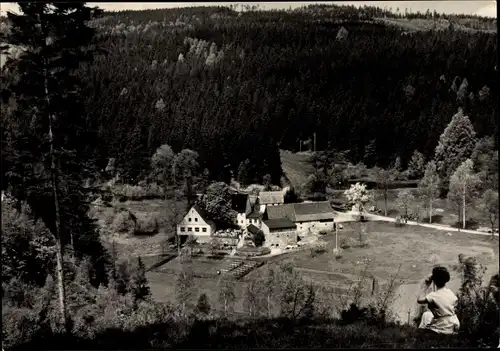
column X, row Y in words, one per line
column 252, row 175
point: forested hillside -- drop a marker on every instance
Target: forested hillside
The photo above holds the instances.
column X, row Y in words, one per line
column 240, row 85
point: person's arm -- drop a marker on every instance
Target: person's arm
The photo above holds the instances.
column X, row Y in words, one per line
column 423, row 297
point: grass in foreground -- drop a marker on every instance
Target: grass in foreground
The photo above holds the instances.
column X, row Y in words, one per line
column 274, row 333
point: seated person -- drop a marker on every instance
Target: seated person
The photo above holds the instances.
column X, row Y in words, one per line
column 441, row 317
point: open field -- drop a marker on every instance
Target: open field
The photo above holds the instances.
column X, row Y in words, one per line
column 135, row 245
column 415, row 249
column 162, row 282
column 296, row 166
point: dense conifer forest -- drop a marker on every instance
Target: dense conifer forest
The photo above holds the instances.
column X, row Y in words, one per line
column 240, row 85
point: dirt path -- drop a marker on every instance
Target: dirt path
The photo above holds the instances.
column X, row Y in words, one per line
column 348, row 217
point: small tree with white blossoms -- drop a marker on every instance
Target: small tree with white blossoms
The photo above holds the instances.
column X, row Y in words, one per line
column 359, row 196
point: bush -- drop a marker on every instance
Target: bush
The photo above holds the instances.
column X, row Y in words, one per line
column 323, row 232
column 123, row 222
column 248, row 251
column 146, row 224
column 126, row 192
column 318, row 249
column 478, row 308
column 347, row 243
column 337, row 253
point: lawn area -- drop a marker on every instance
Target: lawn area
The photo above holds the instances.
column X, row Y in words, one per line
column 162, row 282
column 296, row 166
column 415, row 249
column 129, row 245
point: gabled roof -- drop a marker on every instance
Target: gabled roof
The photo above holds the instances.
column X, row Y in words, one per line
column 313, row 211
column 253, row 229
column 239, row 202
column 301, row 212
column 282, row 223
column 280, row 211
column 271, row 197
column 202, row 214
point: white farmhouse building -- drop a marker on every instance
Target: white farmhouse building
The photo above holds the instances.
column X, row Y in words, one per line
column 240, row 203
column 197, row 223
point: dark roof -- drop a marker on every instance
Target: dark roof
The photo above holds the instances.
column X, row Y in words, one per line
column 280, row 211
column 313, row 211
column 271, row 197
column 202, row 213
column 301, row 212
column 239, row 202
column 255, row 214
column 281, row 223
column 253, row 229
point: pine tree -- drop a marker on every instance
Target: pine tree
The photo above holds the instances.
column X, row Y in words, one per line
column 203, row 306
column 416, row 166
column 52, row 144
column 455, row 146
column 140, row 287
column 122, row 281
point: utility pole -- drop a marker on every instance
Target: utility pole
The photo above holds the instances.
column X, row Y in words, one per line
column 314, row 141
column 336, row 236
column 300, row 145
column 409, row 312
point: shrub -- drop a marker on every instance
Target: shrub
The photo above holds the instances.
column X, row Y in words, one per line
column 347, row 243
column 323, row 232
column 318, row 249
column 123, row 223
column 337, row 253
column 399, row 222
column 477, row 308
column 203, row 306
column 146, row 224
column 248, row 251
column 126, row 192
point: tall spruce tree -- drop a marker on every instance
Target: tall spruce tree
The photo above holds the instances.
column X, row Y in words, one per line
column 49, row 137
column 455, row 146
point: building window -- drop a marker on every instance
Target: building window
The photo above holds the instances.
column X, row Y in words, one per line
column 189, row 219
column 241, row 222
column 190, row 229
column 204, row 230
column 183, row 229
column 196, row 219
column 197, row 229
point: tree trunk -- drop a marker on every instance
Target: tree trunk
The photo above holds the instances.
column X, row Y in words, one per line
column 57, row 229
column 492, row 221
column 268, row 306
column 430, row 211
column 164, row 181
column 463, row 208
column 385, row 201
